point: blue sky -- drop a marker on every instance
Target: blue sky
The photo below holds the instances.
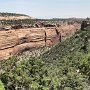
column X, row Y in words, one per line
column 47, row 8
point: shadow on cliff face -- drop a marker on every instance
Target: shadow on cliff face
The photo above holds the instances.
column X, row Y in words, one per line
column 16, row 41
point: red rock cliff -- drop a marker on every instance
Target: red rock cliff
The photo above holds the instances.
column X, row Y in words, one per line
column 15, row 41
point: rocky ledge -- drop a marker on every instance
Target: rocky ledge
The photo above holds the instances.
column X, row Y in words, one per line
column 13, row 42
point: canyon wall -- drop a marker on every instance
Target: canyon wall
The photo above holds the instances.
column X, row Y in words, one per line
column 13, row 42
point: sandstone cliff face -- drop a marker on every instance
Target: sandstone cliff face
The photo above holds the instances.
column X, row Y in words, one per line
column 13, row 42
column 8, row 40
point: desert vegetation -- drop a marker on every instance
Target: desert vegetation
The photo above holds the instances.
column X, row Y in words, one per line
column 9, row 19
column 1, row 86
column 63, row 67
column 11, row 14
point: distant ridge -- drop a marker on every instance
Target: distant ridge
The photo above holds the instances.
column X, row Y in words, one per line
column 13, row 16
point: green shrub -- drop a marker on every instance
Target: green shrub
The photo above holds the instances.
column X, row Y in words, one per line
column 64, row 67
column 1, row 86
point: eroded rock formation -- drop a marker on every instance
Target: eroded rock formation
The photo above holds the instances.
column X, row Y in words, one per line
column 13, row 42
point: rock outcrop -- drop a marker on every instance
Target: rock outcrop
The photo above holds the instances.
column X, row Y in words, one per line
column 13, row 42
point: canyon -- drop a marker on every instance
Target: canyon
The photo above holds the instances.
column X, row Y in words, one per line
column 13, row 42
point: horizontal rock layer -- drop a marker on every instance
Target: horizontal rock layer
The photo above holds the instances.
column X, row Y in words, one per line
column 13, row 42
